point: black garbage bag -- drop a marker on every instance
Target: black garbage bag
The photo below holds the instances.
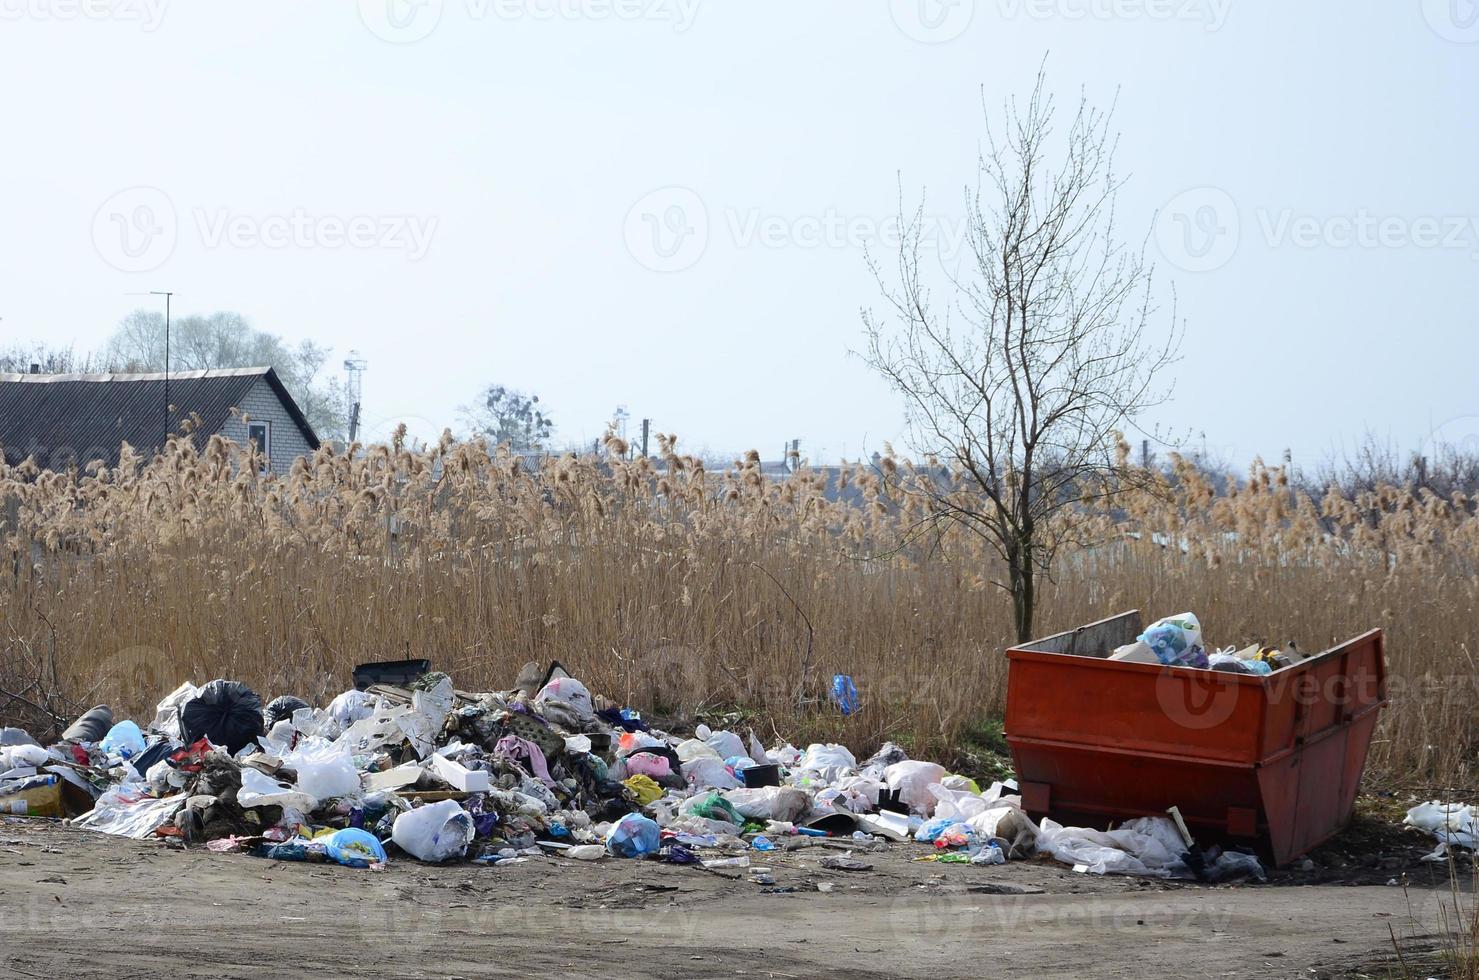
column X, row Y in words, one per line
column 279, row 709
column 91, row 726
column 157, row 752
column 227, row 712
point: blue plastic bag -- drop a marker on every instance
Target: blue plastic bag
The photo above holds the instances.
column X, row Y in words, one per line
column 935, row 827
column 124, row 739
column 844, row 694
column 354, row 848
column 634, row 836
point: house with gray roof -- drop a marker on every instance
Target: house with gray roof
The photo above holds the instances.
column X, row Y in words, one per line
column 66, row 420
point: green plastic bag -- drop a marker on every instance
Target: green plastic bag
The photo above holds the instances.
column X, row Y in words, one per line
column 716, row 807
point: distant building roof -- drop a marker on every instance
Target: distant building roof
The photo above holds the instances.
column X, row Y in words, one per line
column 76, row 418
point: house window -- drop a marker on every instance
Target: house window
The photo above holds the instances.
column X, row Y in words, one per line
column 260, row 433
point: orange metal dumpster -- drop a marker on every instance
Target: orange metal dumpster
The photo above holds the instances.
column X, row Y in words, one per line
column 1275, row 759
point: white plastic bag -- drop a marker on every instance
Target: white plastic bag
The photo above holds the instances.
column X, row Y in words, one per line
column 568, row 693
column 436, row 832
column 259, row 789
column 1006, row 822
column 167, row 712
column 830, row 762
column 709, row 772
column 1450, row 823
column 1149, row 846
column 783, row 803
column 325, row 771
column 350, row 707
column 956, row 804
column 693, row 749
column 23, row 755
column 726, row 744
column 911, row 779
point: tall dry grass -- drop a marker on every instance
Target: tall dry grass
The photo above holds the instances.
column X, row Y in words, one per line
column 682, row 590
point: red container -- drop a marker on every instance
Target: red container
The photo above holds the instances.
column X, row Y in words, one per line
column 1274, row 759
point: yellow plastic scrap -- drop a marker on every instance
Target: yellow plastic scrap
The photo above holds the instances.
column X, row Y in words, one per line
column 644, row 788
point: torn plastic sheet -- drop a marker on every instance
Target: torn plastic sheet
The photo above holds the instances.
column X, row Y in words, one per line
column 124, row 812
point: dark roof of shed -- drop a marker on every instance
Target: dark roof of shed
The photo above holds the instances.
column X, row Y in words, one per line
column 67, row 419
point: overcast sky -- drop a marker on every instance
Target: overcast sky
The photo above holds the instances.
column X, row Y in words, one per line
column 663, row 204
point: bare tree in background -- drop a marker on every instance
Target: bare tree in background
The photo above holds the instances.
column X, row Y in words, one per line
column 228, row 340
column 17, row 358
column 1021, row 385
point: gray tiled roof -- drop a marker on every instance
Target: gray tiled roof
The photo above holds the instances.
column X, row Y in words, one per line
column 67, row 419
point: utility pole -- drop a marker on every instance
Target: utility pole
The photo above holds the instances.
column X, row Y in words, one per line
column 646, row 431
column 167, row 297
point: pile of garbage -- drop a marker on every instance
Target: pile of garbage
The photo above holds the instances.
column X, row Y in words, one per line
column 440, row 774
column 1176, row 641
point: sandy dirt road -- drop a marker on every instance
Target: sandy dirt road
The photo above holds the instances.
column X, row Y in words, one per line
column 76, row 904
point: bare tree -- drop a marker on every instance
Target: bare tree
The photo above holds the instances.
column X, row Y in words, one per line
column 227, row 340
column 1021, row 384
column 18, row 357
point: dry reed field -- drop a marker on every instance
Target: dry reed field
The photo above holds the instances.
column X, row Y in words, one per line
column 690, row 592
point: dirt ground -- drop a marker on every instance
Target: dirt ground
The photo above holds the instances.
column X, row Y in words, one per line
column 79, row 904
